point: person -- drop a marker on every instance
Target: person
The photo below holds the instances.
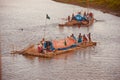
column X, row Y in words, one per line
column 84, row 39
column 68, row 18
column 42, row 41
column 85, row 14
column 48, row 44
column 79, row 13
column 73, row 17
column 91, row 15
column 79, row 38
column 89, row 37
column 40, row 49
column 65, row 43
column 73, row 37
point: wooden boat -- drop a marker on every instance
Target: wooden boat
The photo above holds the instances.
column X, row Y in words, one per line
column 76, row 23
column 32, row 50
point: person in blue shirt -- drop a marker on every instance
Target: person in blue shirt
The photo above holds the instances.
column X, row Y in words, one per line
column 79, row 38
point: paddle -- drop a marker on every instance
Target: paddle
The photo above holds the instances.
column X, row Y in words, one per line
column 99, row 20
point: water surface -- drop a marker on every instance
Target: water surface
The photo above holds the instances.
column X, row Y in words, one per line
column 94, row 63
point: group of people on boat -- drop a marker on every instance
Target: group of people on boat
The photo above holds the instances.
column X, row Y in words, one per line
column 70, row 42
column 82, row 38
column 79, row 19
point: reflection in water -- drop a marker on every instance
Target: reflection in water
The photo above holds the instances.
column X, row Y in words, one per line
column 64, row 55
column 86, row 53
column 29, row 57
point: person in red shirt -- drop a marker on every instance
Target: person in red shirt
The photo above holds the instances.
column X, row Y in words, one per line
column 40, row 49
column 84, row 39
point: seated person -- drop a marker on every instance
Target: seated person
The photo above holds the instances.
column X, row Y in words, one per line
column 48, row 46
column 40, row 49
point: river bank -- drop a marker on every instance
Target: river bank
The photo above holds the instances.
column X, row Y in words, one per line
column 110, row 6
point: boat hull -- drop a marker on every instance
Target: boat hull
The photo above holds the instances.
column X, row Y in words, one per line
column 76, row 23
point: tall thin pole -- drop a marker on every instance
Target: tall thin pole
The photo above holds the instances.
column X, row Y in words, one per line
column 45, row 27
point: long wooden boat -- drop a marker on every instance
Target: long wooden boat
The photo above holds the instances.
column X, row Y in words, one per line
column 76, row 23
column 32, row 50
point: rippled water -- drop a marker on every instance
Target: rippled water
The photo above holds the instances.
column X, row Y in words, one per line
column 95, row 63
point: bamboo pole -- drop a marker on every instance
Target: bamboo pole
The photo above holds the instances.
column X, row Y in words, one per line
column 45, row 28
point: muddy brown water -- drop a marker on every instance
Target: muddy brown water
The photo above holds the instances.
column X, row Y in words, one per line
column 101, row 62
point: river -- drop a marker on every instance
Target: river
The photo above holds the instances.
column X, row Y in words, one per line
column 101, row 62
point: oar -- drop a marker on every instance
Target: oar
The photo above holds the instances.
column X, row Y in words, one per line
column 99, row 20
